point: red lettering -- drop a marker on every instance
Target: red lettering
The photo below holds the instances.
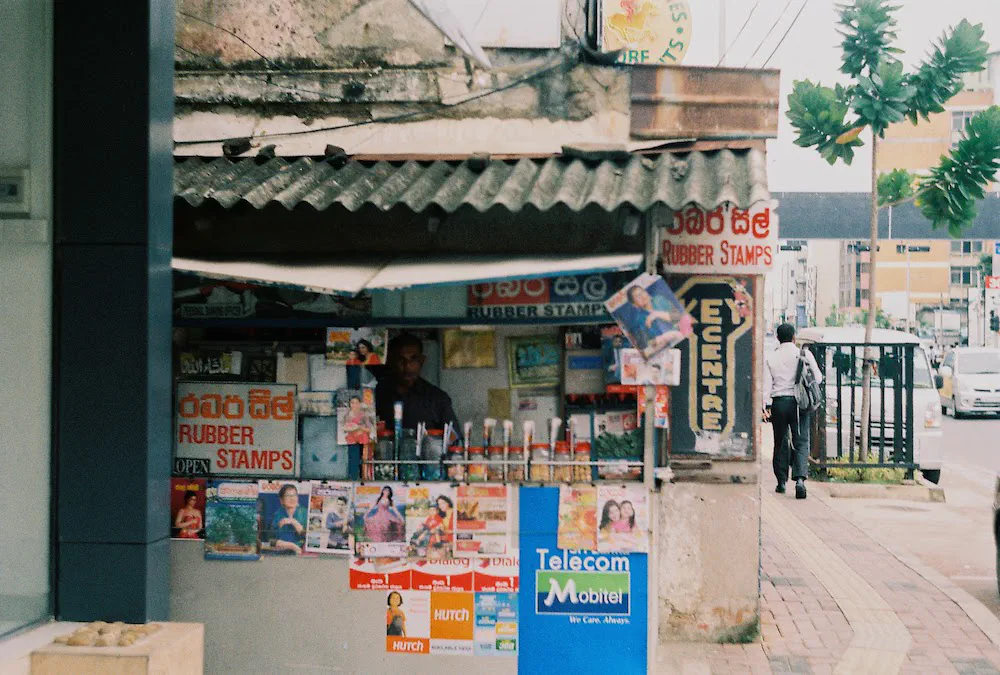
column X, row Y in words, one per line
column 716, row 222
column 209, row 434
column 762, row 224
column 232, row 408
column 248, row 435
column 273, row 456
column 184, row 433
column 287, row 460
column 222, row 463
column 242, row 461
column 222, row 435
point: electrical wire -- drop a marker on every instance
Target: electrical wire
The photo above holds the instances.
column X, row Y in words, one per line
column 392, row 118
column 768, row 34
column 733, row 43
column 789, row 30
column 230, row 32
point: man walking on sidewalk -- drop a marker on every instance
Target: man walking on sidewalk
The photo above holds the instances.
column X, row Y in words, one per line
column 781, row 370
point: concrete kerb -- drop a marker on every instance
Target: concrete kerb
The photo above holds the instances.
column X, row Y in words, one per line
column 984, row 619
column 910, row 493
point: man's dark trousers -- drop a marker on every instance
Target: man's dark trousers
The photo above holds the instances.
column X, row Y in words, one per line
column 787, row 418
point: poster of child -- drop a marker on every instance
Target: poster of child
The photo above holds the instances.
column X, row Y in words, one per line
column 430, row 522
column 650, row 314
column 187, row 508
column 623, row 524
column 283, row 507
column 355, row 416
column 380, row 520
column 356, row 346
column 329, row 529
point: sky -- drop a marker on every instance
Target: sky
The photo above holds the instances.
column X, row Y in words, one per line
column 811, row 50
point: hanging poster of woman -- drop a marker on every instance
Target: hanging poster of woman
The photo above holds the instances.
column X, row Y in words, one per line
column 650, row 314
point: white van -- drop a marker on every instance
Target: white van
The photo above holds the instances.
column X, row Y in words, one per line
column 971, row 381
column 928, row 448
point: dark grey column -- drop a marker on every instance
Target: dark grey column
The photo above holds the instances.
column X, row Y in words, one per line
column 113, row 98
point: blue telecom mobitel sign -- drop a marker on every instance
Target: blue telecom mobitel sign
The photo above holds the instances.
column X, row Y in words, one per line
column 582, row 611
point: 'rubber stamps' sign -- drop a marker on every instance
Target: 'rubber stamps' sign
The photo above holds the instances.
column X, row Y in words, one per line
column 240, row 428
column 578, row 297
column 726, row 240
column 718, row 361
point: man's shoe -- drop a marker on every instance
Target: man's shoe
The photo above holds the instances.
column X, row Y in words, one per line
column 780, row 489
column 800, row 489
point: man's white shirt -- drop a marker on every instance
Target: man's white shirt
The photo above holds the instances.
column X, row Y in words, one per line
column 780, row 367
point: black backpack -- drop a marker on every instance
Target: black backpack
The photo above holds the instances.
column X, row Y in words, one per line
column 807, row 390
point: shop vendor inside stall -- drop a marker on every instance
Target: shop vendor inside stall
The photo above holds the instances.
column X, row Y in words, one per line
column 401, row 381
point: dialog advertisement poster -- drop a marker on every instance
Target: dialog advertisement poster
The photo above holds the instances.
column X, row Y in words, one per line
column 483, row 524
column 379, row 574
column 497, row 575
column 236, row 428
column 496, row 624
column 329, row 529
column 380, row 520
column 445, row 576
column 572, row 600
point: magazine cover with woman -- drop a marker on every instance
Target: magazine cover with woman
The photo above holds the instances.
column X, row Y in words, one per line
column 187, row 508
column 355, row 416
column 650, row 314
column 284, row 508
column 623, row 520
column 430, row 521
column 356, row 346
column 380, row 520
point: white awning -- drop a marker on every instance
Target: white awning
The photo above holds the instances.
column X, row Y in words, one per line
column 350, row 277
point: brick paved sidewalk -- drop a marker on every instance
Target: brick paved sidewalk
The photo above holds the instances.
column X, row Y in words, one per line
column 835, row 601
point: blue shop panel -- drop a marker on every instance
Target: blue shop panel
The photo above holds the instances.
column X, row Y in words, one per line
column 580, row 612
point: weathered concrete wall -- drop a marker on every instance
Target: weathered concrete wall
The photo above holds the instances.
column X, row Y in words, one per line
column 299, row 65
column 708, row 573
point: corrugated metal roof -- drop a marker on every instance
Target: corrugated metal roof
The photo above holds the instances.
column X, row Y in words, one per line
column 708, row 178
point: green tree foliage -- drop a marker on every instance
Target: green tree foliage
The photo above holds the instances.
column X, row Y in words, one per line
column 881, row 318
column 883, row 94
column 896, row 187
column 948, row 196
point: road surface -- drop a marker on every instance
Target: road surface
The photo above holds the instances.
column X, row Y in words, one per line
column 955, row 538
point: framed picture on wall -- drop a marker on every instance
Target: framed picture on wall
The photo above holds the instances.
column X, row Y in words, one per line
column 469, row 348
column 534, row 361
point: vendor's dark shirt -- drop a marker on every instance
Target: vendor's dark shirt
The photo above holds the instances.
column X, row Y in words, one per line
column 422, row 403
